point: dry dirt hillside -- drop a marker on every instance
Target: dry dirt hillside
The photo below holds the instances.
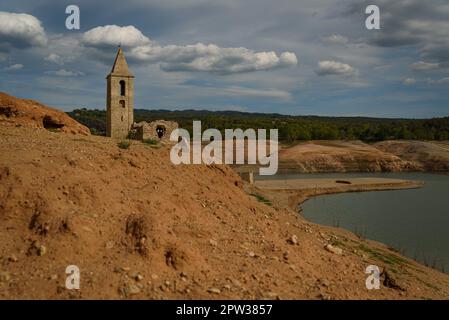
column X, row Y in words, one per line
column 139, row 227
column 30, row 113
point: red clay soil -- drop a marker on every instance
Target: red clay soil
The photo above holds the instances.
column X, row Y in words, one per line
column 139, row 227
column 30, row 113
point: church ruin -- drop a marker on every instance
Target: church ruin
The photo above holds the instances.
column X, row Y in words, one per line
column 120, row 108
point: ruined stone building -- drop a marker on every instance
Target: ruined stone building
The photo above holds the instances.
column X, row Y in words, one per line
column 120, row 107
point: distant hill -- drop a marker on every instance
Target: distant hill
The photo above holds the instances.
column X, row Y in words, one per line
column 291, row 128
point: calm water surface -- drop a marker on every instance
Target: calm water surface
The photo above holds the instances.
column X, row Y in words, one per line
column 416, row 221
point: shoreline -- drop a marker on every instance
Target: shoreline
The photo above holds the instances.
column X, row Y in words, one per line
column 291, row 193
column 292, row 199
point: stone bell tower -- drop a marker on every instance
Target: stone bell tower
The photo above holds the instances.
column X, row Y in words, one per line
column 120, row 99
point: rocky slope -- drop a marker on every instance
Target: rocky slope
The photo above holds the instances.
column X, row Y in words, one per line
column 30, row 113
column 139, row 227
column 340, row 156
column 428, row 156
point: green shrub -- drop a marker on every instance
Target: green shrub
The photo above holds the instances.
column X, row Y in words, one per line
column 261, row 199
column 150, row 141
column 124, row 144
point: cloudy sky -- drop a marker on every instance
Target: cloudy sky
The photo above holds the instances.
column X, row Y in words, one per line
column 285, row 56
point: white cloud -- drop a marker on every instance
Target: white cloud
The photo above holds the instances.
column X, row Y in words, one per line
column 409, row 81
column 64, row 73
column 193, row 58
column 21, row 30
column 329, row 67
column 423, row 66
column 439, row 81
column 112, row 35
column 335, row 39
column 54, row 58
column 267, row 93
column 14, row 67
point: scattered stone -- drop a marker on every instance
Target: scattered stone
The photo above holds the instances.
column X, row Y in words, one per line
column 13, row 258
column 131, row 289
column 323, row 282
column 214, row 290
column 5, row 276
column 109, row 245
column 42, row 250
column 53, row 277
column 227, row 286
column 154, row 276
column 323, row 296
column 251, row 254
column 271, row 294
column 121, row 269
column 213, row 242
column 334, row 249
column 293, row 240
column 138, row 277
column 236, row 283
column 117, row 270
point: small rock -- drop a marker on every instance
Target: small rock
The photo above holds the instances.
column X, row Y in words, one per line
column 5, row 276
column 121, row 269
column 117, row 270
column 42, row 250
column 13, row 258
column 138, row 277
column 214, row 290
column 53, row 277
column 109, row 245
column 213, row 242
column 131, row 289
column 334, row 250
column 154, row 276
column 293, row 240
column 236, row 283
column 271, row 294
column 323, row 282
column 251, row 254
column 227, row 286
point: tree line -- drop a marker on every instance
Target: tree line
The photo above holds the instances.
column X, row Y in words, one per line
column 291, row 128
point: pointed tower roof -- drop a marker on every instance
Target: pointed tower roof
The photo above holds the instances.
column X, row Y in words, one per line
column 120, row 67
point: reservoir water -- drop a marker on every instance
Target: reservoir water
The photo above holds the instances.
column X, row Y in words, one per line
column 415, row 221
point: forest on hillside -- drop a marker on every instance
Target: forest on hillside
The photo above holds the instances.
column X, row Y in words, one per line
column 291, row 128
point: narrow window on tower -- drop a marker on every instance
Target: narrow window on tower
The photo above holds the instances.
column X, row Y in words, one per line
column 122, row 103
column 122, row 88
